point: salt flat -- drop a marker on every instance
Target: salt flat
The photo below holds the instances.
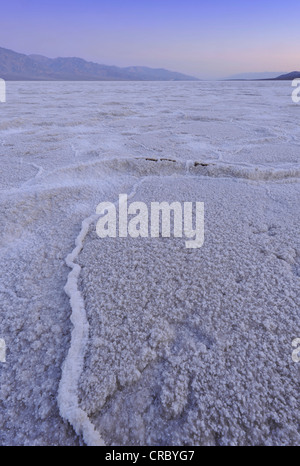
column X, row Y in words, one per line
column 171, row 346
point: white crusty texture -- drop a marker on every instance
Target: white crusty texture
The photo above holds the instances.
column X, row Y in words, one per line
column 66, row 147
column 73, row 365
column 67, row 396
column 194, row 347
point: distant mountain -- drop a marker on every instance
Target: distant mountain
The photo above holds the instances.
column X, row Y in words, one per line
column 19, row 67
column 255, row 76
column 289, row 76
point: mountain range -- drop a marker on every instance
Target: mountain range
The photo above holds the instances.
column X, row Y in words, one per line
column 289, row 76
column 267, row 76
column 20, row 67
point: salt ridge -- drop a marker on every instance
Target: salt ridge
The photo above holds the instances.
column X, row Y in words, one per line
column 72, row 367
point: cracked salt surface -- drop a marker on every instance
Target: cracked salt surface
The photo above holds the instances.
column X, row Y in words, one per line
column 194, row 348
column 161, row 345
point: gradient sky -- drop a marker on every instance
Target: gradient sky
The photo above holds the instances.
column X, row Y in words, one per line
column 207, row 39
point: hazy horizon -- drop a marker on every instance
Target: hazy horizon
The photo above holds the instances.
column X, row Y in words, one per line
column 239, row 76
column 203, row 40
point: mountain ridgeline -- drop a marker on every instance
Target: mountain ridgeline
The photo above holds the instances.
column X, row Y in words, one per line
column 20, row 67
column 289, row 76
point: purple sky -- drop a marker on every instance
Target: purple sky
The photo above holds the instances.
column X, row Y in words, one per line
column 203, row 38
